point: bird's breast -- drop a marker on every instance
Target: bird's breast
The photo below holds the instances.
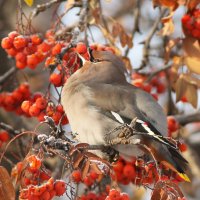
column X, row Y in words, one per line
column 84, row 118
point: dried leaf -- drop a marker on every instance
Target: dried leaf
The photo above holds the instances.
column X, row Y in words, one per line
column 192, row 4
column 164, row 190
column 127, row 63
column 95, row 168
column 191, row 49
column 191, row 94
column 123, row 39
column 7, row 191
column 171, row 43
column 78, row 160
column 116, row 29
column 85, row 169
column 172, row 4
column 168, row 27
column 29, row 2
column 69, row 4
column 181, row 86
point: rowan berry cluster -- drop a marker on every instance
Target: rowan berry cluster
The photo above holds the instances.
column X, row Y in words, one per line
column 154, row 87
column 4, row 137
column 116, row 195
column 11, row 101
column 46, row 191
column 32, row 170
column 92, row 196
column 136, row 172
column 39, row 107
column 28, row 51
column 191, row 23
column 23, row 102
column 89, row 180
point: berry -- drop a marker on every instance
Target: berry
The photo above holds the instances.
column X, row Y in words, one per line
column 6, row 43
column 56, row 79
column 41, row 103
column 26, row 106
column 34, row 110
column 35, row 39
column 45, row 196
column 59, row 187
column 4, row 136
column 81, row 48
column 76, row 176
column 20, row 42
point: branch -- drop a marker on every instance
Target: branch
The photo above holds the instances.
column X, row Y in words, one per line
column 43, row 7
column 186, row 119
column 136, row 22
column 148, row 40
column 6, row 75
column 9, row 128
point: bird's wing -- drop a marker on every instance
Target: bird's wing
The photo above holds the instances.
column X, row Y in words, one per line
column 130, row 102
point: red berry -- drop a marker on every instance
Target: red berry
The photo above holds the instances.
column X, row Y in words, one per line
column 4, row 136
column 12, row 52
column 45, row 196
column 59, row 187
column 20, row 65
column 182, row 147
column 13, row 34
column 32, row 60
column 34, row 110
column 20, row 42
column 114, row 194
column 21, row 57
column 41, row 116
column 41, row 103
column 56, row 79
column 35, row 39
column 56, row 49
column 185, row 18
column 129, row 171
column 26, row 106
column 81, row 48
column 76, row 176
column 6, row 43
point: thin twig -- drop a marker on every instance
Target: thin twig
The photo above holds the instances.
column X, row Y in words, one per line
column 6, row 75
column 9, row 128
column 148, row 39
column 136, row 23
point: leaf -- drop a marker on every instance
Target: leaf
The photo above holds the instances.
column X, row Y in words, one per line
column 171, row 43
column 69, row 4
column 191, row 49
column 85, row 169
column 180, row 87
column 7, row 191
column 168, row 27
column 29, row 2
column 192, row 4
column 127, row 63
column 164, row 190
column 172, row 4
column 116, row 29
column 191, row 94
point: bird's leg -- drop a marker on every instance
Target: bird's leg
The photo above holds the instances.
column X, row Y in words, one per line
column 112, row 153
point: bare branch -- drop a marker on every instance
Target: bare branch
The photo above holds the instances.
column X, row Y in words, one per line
column 9, row 73
column 186, row 119
column 148, row 40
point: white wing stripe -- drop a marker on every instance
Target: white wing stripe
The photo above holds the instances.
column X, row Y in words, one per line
column 117, row 117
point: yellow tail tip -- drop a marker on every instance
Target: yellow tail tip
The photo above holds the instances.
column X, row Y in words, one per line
column 184, row 177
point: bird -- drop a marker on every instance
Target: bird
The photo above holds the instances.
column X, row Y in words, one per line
column 98, row 100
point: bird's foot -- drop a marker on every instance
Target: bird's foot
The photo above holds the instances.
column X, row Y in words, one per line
column 112, row 153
